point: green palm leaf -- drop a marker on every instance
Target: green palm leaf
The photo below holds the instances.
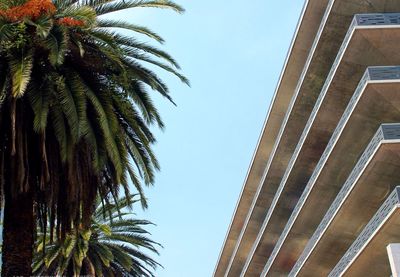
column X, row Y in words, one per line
column 104, row 7
column 113, row 244
column 20, row 69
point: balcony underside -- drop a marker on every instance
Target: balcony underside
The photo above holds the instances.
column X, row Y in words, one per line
column 371, row 181
column 375, row 101
column 367, row 256
column 357, row 52
column 316, row 42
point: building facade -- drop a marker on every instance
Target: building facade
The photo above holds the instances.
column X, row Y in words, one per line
column 321, row 197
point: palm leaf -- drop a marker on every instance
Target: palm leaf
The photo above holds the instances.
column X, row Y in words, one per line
column 114, row 6
column 21, row 69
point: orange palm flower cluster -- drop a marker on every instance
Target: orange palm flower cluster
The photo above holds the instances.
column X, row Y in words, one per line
column 71, row 22
column 32, row 9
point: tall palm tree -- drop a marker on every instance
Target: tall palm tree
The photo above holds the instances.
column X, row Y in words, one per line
column 112, row 246
column 75, row 113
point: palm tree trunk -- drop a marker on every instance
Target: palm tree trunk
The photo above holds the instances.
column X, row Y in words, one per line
column 19, row 222
column 18, row 235
column 87, row 268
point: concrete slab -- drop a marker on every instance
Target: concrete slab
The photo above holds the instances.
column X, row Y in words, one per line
column 367, row 255
column 375, row 101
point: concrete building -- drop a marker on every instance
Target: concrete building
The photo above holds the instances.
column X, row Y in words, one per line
column 320, row 196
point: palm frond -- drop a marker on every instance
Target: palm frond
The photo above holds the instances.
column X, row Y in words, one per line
column 115, row 244
column 21, row 69
column 108, row 23
column 115, row 6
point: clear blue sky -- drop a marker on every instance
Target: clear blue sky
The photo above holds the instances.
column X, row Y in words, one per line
column 233, row 52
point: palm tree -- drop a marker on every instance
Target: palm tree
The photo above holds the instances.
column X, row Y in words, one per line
column 75, row 114
column 112, row 246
